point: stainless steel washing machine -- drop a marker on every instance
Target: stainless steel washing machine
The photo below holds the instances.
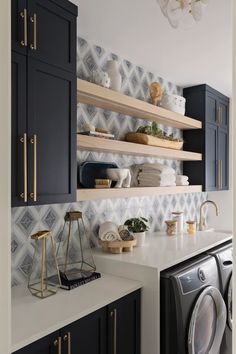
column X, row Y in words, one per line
column 224, row 258
column 193, row 311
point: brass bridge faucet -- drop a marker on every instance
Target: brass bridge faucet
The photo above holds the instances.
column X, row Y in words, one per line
column 202, row 223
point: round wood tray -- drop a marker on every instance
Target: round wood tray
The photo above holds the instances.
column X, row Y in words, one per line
column 117, row 247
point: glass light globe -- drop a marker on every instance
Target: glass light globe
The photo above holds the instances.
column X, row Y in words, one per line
column 196, row 10
column 174, row 12
column 163, row 5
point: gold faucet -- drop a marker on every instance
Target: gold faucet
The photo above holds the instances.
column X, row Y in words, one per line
column 202, row 219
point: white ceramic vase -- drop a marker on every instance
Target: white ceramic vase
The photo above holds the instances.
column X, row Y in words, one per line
column 140, row 238
column 114, row 74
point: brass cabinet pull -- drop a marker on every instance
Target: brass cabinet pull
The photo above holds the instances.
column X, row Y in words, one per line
column 114, row 315
column 23, row 15
column 221, row 174
column 23, row 140
column 67, row 338
column 218, row 115
column 218, row 174
column 33, row 20
column 34, row 194
column 57, row 343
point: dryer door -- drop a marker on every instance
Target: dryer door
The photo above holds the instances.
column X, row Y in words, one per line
column 229, row 300
column 207, row 323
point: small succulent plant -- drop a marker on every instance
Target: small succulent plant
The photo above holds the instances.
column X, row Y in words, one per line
column 157, row 132
column 137, row 224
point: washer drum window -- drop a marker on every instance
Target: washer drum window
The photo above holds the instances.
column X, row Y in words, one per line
column 207, row 323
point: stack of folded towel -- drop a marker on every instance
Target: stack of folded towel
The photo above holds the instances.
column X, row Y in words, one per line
column 182, row 180
column 156, row 175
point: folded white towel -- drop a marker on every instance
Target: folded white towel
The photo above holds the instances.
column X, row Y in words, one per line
column 184, row 183
column 182, row 178
column 157, row 167
column 108, row 231
column 156, row 177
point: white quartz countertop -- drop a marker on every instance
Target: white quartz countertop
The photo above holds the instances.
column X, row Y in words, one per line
column 162, row 251
column 34, row 318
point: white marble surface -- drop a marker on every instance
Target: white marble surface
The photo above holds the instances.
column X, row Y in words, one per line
column 33, row 318
column 162, row 251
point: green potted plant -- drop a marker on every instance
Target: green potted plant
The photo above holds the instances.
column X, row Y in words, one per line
column 138, row 227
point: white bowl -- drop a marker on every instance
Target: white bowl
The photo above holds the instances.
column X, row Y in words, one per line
column 174, row 103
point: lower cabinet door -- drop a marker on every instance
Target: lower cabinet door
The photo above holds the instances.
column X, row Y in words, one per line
column 47, row 345
column 87, row 335
column 124, row 325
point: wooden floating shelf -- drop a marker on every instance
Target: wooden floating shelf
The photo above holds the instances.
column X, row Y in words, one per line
column 89, row 93
column 90, row 143
column 95, row 194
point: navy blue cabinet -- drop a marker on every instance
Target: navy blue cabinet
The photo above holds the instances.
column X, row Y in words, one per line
column 212, row 108
column 43, row 102
column 124, row 325
column 109, row 330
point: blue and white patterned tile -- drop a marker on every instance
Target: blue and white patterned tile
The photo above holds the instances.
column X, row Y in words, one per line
column 28, row 220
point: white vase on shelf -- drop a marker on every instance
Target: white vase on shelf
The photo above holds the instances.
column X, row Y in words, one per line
column 114, row 74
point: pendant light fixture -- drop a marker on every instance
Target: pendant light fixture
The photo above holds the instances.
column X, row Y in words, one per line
column 182, row 11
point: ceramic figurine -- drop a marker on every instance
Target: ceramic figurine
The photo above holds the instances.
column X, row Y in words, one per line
column 121, row 176
column 156, row 93
column 114, row 74
column 101, row 78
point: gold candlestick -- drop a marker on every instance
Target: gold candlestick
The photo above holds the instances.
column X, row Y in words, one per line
column 44, row 277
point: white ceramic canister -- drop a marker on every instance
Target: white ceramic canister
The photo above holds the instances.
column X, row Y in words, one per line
column 179, row 217
column 114, row 74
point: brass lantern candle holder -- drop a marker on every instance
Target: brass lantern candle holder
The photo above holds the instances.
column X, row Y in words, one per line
column 44, row 277
column 74, row 253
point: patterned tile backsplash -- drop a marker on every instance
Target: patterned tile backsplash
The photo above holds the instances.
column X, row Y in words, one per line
column 28, row 220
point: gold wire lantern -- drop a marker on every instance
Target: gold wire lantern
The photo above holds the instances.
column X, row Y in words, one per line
column 44, row 278
column 74, row 251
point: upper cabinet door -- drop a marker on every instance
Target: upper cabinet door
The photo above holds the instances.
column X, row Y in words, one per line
column 223, row 158
column 211, row 158
column 211, row 108
column 52, row 33
column 52, row 134
column 19, row 164
column 223, row 113
column 19, row 26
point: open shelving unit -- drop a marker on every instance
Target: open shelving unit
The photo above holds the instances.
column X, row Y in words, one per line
column 90, row 143
column 89, row 93
column 95, row 194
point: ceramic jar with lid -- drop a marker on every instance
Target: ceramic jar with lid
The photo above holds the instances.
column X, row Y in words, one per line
column 114, row 74
column 171, row 229
column 179, row 217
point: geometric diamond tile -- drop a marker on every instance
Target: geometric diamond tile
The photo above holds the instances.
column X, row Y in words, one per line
column 135, row 82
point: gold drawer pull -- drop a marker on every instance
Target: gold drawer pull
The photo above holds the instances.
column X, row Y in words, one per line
column 23, row 140
column 34, row 194
column 23, row 15
column 33, row 20
column 67, row 338
column 114, row 315
column 57, row 343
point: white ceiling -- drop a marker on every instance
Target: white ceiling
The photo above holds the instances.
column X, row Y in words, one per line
column 138, row 31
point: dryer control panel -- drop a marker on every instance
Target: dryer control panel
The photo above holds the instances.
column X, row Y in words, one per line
column 199, row 276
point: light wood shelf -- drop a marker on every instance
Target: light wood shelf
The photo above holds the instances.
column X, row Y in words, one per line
column 90, row 143
column 89, row 93
column 95, row 194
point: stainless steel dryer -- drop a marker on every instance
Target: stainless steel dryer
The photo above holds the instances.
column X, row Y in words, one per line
column 193, row 312
column 224, row 258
